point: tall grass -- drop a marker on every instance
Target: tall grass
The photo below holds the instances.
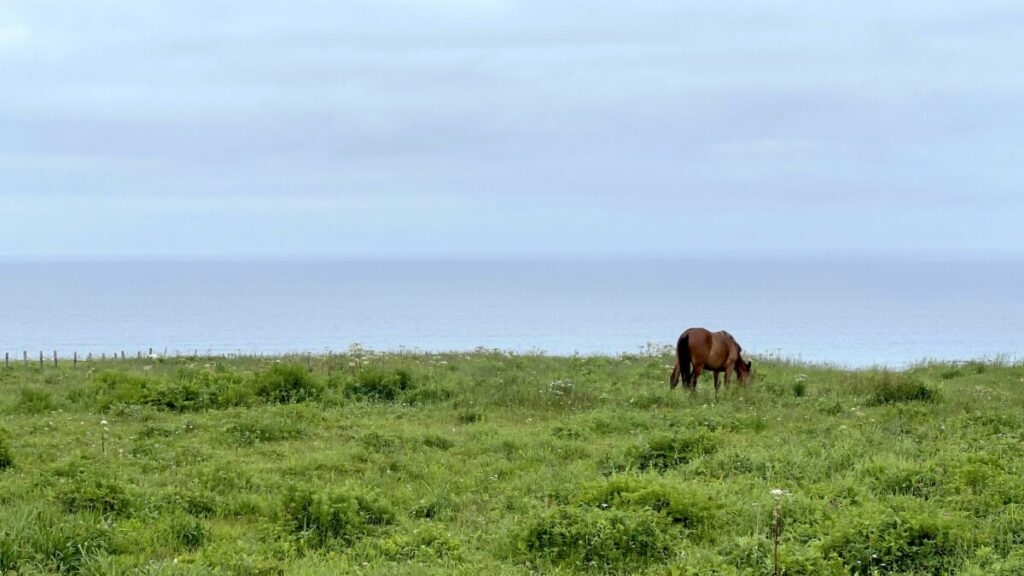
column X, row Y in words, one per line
column 494, row 463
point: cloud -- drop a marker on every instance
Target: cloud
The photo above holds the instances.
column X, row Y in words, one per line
column 574, row 120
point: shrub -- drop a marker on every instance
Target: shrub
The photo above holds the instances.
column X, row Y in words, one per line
column 90, row 490
column 423, row 543
column 800, row 388
column 46, row 540
column 187, row 390
column 193, row 502
column 950, row 373
column 249, row 430
column 319, row 518
column 894, row 388
column 193, row 389
column 987, row 563
column 438, row 441
column 897, row 478
column 687, row 505
column 111, row 388
column 287, row 383
column 33, row 400
column 6, row 458
column 470, row 417
column 179, row 396
column 436, row 506
column 919, row 541
column 429, row 394
column 186, row 532
column 374, row 384
column 667, row 451
column 585, row 538
column 71, row 544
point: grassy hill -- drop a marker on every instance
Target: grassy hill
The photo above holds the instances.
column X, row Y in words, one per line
column 492, row 463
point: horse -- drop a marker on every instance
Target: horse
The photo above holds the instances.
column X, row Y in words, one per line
column 715, row 351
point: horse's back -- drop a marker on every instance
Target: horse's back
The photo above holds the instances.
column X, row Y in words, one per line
column 698, row 338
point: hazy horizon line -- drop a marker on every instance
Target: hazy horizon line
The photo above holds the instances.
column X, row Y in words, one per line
column 888, row 255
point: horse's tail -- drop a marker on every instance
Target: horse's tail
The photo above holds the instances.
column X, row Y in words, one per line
column 683, row 357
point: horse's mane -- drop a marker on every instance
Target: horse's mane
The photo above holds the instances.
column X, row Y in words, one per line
column 739, row 349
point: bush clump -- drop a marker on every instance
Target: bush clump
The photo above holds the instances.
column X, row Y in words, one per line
column 94, row 492
column 425, row 543
column 112, row 388
column 6, row 458
column 188, row 390
column 287, row 383
column 584, row 538
column 48, row 538
column 895, row 388
column 685, row 505
column 902, row 479
column 249, row 430
column 915, row 541
column 318, row 519
column 34, row 400
column 185, row 531
column 192, row 389
column 668, row 451
column 374, row 384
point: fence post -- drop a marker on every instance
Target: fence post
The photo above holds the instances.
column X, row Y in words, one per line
column 75, row 361
column 24, row 355
column 7, row 359
column 40, row 359
column 55, row 358
column 122, row 355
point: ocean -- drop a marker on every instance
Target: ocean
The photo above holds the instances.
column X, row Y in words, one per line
column 849, row 312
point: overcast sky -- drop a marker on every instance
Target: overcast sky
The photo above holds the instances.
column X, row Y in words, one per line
column 455, row 128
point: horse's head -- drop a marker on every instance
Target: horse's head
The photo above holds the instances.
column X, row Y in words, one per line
column 743, row 370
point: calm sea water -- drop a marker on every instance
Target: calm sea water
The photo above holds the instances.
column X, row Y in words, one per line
column 849, row 312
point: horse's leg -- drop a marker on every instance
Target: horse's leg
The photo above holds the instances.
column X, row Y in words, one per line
column 716, row 373
column 695, row 375
column 673, row 380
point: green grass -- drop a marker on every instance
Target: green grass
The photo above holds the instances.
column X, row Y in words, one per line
column 491, row 463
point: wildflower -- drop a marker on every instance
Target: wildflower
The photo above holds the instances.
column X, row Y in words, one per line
column 104, row 422
column 779, row 492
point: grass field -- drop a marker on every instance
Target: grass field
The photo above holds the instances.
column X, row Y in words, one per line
column 491, row 463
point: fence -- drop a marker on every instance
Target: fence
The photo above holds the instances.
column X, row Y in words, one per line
column 73, row 359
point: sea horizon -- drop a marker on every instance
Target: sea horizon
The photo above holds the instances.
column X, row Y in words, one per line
column 842, row 311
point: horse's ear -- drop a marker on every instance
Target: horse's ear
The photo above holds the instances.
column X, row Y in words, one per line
column 748, row 365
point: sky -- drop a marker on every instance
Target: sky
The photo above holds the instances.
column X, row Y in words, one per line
column 458, row 128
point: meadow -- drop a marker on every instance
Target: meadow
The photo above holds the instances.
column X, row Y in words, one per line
column 505, row 464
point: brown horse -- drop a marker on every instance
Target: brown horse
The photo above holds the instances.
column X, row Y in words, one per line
column 703, row 349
